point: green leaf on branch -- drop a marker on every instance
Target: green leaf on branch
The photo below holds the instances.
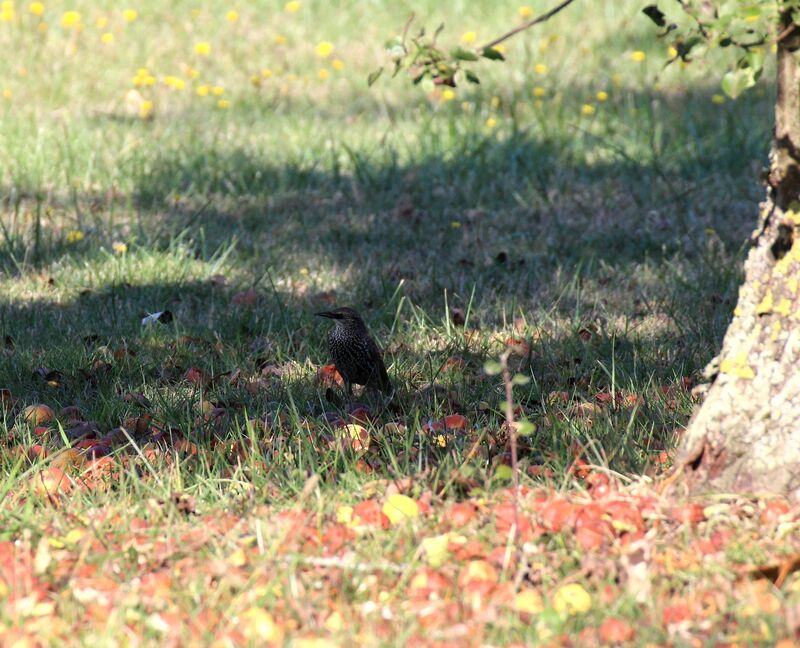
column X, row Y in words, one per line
column 492, row 54
column 736, row 82
column 472, row 77
column 463, row 55
column 520, row 379
column 373, row 76
column 492, row 367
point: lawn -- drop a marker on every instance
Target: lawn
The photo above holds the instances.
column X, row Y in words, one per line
column 196, row 479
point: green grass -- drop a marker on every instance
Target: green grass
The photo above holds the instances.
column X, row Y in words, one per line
column 610, row 242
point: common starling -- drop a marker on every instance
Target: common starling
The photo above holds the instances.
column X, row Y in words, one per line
column 355, row 354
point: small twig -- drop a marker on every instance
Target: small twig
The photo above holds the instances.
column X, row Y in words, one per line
column 512, row 435
column 527, row 25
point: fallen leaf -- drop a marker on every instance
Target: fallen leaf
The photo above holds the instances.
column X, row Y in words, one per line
column 614, row 630
column 400, row 508
column 572, row 599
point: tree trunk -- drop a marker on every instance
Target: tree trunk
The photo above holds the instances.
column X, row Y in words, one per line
column 745, row 437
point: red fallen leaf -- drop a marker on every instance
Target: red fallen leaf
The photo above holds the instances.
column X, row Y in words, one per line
column 467, row 550
column 41, row 430
column 504, row 520
column 36, row 452
column 585, row 334
column 675, row 614
column 691, row 514
column 245, row 298
column 369, row 513
column 614, row 630
column 591, row 529
column 773, row 511
column 456, row 422
column 327, row 376
column 517, row 346
column 336, row 537
column 557, row 514
column 362, row 415
column 604, row 397
column 580, row 469
column 72, row 413
column 196, row 376
column 461, row 513
column 453, row 362
column 433, row 426
column 624, row 516
column 428, row 583
column 5, row 396
column 599, row 484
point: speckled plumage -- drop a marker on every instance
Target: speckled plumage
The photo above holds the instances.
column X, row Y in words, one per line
column 355, row 354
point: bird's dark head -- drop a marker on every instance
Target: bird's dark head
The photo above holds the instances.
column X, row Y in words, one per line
column 343, row 316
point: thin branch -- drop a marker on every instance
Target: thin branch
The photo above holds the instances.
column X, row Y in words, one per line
column 527, row 25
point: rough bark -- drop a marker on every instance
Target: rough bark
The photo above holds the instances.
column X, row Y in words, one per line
column 745, row 437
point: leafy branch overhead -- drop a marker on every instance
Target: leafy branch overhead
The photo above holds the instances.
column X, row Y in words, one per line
column 744, row 29
column 423, row 58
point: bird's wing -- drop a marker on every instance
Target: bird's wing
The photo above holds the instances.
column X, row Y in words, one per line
column 376, row 361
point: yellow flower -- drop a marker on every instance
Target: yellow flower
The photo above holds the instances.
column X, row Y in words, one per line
column 255, row 80
column 466, row 106
column 323, row 74
column 266, row 73
column 223, row 103
column 337, row 64
column 572, row 599
column 324, row 49
column 538, row 91
column 7, row 94
column 42, row 28
column 540, row 68
column 70, row 19
column 279, row 39
column 36, row 8
column 202, row 90
column 602, row 95
column 525, row 11
column 672, row 52
column 638, row 56
column 469, row 37
column 107, row 38
column 130, row 15
column 500, row 48
column 101, row 22
column 587, row 109
column 454, row 225
column 752, row 18
column 292, row 7
column 73, row 236
column 192, row 73
column 718, row 99
column 494, row 102
column 202, row 48
column 218, row 91
column 7, row 14
column 119, row 248
column 491, row 122
column 448, row 94
column 232, row 16
column 440, row 440
column 146, row 109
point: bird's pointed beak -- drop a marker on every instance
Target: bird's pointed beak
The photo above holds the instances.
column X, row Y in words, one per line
column 327, row 314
